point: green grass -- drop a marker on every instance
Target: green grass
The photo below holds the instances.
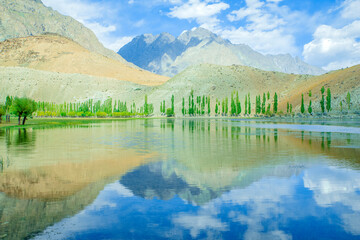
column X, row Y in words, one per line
column 43, row 122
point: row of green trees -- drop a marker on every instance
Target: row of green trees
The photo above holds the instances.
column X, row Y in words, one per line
column 89, row 108
column 325, row 102
column 25, row 107
column 196, row 106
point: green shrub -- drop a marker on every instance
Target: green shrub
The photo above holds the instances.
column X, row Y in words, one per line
column 169, row 112
column 89, row 114
column 101, row 114
column 80, row 114
column 71, row 114
column 123, row 114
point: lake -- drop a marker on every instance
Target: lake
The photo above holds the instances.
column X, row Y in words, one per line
column 182, row 179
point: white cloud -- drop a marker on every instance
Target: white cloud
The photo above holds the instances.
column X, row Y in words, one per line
column 266, row 42
column 333, row 185
column 81, row 10
column 198, row 223
column 203, row 12
column 116, row 44
column 351, row 9
column 265, row 29
column 88, row 13
column 334, row 48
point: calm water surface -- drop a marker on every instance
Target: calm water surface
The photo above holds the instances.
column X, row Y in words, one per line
column 181, row 179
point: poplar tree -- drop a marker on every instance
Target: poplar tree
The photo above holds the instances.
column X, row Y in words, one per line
column 275, row 103
column 341, row 107
column 183, row 106
column 263, row 104
column 287, row 107
column 249, row 104
column 302, row 104
column 216, row 108
column 348, row 100
column 246, row 103
column 172, row 105
column 328, row 100
column 238, row 106
column 322, row 101
column 310, row 108
column 208, row 102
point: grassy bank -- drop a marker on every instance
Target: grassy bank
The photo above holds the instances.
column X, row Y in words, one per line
column 43, row 122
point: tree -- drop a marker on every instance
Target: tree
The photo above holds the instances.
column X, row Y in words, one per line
column 341, row 106
column 246, row 103
column 322, row 101
column 169, row 112
column 268, row 95
column 310, row 94
column 2, row 111
column 328, row 100
column 209, row 109
column 310, row 108
column 290, row 108
column 348, row 100
column 249, row 104
column 275, row 103
column 8, row 103
column 302, row 104
column 172, row 104
column 23, row 107
column 263, row 104
column 216, row 108
column 238, row 106
column 183, row 106
column 146, row 107
column 287, row 107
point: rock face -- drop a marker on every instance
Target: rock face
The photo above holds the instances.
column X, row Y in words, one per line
column 166, row 55
column 23, row 18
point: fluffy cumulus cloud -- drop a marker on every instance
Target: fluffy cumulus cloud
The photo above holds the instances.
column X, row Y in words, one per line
column 264, row 28
column 203, row 12
column 335, row 48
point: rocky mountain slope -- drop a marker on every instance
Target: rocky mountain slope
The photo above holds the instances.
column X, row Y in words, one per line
column 59, row 54
column 166, row 55
column 22, row 18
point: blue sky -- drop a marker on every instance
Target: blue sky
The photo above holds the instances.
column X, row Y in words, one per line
column 325, row 33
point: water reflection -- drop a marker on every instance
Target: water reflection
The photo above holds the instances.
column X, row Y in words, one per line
column 312, row 204
column 214, row 179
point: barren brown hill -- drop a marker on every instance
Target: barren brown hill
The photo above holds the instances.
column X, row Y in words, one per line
column 340, row 83
column 59, row 54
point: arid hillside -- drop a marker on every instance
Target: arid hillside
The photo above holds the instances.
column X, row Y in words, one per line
column 59, row 54
column 340, row 83
column 217, row 82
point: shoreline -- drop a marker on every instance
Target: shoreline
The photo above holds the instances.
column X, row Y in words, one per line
column 66, row 121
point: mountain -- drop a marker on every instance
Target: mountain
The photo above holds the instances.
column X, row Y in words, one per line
column 217, row 82
column 56, row 53
column 166, row 55
column 23, row 18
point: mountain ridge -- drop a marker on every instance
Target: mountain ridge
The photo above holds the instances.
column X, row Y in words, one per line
column 167, row 55
column 23, row 18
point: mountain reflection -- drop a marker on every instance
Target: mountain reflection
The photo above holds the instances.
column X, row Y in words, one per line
column 214, row 179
